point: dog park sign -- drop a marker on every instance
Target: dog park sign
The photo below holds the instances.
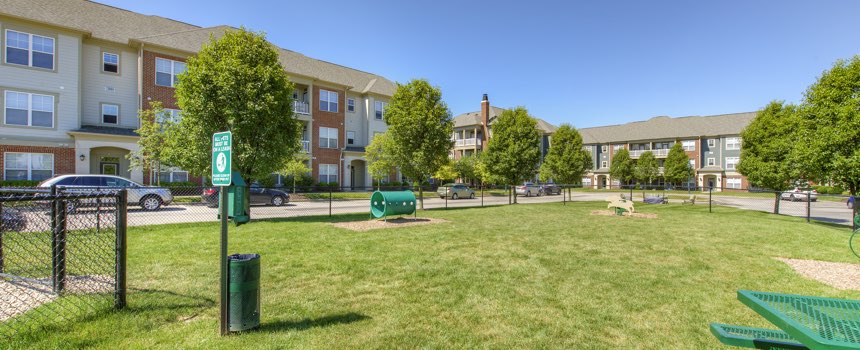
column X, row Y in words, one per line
column 222, row 147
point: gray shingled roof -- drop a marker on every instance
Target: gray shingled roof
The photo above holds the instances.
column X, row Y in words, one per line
column 119, row 25
column 106, row 130
column 669, row 128
column 101, row 21
column 192, row 40
column 474, row 118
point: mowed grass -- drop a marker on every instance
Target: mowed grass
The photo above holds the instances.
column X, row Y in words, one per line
column 521, row 276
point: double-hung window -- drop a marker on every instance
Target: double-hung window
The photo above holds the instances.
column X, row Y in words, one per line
column 110, row 62
column 328, row 173
column 379, row 107
column 167, row 71
column 603, row 149
column 733, row 143
column 328, row 101
column 712, row 162
column 732, row 163
column 169, row 116
column 688, row 145
column 692, row 164
column 110, row 114
column 604, row 164
column 712, row 143
column 173, row 176
column 29, row 50
column 328, row 137
column 28, row 166
column 350, row 137
column 733, row 182
column 350, row 105
column 28, row 109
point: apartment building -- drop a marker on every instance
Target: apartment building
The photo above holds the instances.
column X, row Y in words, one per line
column 712, row 143
column 471, row 131
column 75, row 74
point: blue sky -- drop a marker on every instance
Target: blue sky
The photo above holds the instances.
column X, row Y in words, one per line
column 585, row 63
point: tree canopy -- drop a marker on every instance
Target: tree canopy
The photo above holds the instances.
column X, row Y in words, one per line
column 466, row 167
column 446, row 172
column 646, row 168
column 513, row 152
column 235, row 83
column 622, row 167
column 676, row 168
column 566, row 162
column 379, row 164
column 829, row 132
column 420, row 128
column 152, row 143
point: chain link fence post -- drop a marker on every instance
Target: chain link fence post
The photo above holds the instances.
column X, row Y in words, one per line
column 711, row 199
column 58, row 245
column 121, row 249
column 482, row 195
column 329, row 201
column 808, row 206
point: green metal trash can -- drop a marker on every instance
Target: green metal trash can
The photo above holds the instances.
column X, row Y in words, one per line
column 244, row 291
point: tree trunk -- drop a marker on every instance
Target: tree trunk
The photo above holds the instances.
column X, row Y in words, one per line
column 294, row 184
column 420, row 195
column 514, row 193
column 776, row 203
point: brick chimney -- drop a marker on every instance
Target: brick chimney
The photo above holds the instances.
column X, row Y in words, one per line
column 485, row 121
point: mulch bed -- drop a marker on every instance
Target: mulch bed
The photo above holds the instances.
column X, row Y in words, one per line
column 391, row 223
column 626, row 214
column 835, row 274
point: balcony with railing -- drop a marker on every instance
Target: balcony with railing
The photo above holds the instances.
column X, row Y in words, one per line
column 469, row 143
column 659, row 153
column 301, row 107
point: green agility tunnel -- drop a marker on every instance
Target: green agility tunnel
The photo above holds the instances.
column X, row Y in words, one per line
column 388, row 203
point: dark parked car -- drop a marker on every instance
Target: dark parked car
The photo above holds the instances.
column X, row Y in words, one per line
column 259, row 195
column 550, row 188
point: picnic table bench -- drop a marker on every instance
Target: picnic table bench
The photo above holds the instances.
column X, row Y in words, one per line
column 806, row 323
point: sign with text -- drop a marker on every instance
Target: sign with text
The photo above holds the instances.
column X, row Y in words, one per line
column 222, row 147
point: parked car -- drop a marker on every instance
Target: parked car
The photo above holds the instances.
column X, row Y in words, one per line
column 13, row 220
column 529, row 189
column 147, row 197
column 455, row 191
column 800, row 195
column 259, row 196
column 550, row 188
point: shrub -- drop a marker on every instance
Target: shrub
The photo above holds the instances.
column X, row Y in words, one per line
column 180, row 184
column 19, row 183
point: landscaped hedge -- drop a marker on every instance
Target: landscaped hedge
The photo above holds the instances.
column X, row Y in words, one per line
column 829, row 189
column 19, row 183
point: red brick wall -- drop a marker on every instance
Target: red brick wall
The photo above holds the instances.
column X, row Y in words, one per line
column 64, row 158
column 152, row 92
column 328, row 120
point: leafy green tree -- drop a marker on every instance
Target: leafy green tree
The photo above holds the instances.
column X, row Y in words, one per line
column 446, row 172
column 567, row 161
column 466, row 167
column 379, row 164
column 830, row 127
column 295, row 169
column 482, row 172
column 420, row 128
column 513, row 152
column 676, row 168
column 622, row 167
column 235, row 83
column 646, row 169
column 152, row 143
column 767, row 144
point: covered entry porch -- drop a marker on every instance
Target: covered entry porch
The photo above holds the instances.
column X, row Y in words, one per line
column 97, row 153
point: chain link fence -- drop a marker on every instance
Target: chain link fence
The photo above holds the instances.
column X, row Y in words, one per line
column 62, row 255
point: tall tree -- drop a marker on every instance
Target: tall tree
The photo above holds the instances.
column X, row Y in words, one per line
column 622, row 167
column 152, row 144
column 767, row 144
column 567, row 161
column 830, row 127
column 513, row 152
column 465, row 167
column 379, row 164
column 646, row 168
column 676, row 169
column 235, row 83
column 420, row 128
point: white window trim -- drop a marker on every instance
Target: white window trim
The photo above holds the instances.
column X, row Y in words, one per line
column 731, row 182
column 348, row 138
column 328, row 173
column 30, row 50
column 712, row 142
column 103, row 105
column 328, row 137
column 329, row 101
column 29, row 164
column 104, row 53
column 692, row 163
column 692, row 147
column 734, row 165
column 350, row 105
column 603, row 149
column 170, row 113
column 171, row 173
column 173, row 73
column 604, row 164
column 30, row 110
column 735, row 145
column 712, row 162
column 379, row 106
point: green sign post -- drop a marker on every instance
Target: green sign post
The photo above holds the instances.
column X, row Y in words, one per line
column 222, row 144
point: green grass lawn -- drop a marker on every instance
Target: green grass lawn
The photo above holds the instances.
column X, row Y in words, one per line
column 522, row 276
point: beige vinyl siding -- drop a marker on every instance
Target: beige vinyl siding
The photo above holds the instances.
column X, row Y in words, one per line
column 374, row 125
column 62, row 83
column 356, row 121
column 102, row 88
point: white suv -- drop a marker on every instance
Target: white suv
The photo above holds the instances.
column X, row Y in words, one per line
column 148, row 198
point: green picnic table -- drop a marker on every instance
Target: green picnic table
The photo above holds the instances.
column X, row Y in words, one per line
column 805, row 322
